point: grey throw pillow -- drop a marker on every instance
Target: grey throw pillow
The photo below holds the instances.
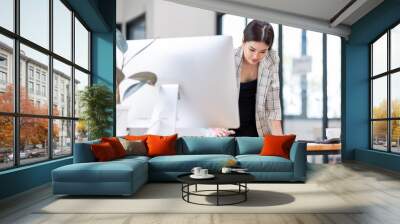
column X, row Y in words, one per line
column 137, row 148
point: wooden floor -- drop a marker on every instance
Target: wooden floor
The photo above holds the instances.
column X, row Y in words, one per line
column 379, row 189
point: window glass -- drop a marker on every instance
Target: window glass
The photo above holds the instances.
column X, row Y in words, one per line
column 7, row 14
column 234, row 26
column 395, row 47
column 62, row 29
column 395, row 136
column 34, row 21
column 81, row 82
column 81, row 45
column 395, row 95
column 379, row 98
column 314, row 77
column 62, row 138
column 6, row 74
column 34, row 80
column 334, row 71
column 6, row 142
column 81, row 131
column 291, row 80
column 62, row 89
column 34, row 144
column 379, row 56
column 39, row 62
column 379, row 135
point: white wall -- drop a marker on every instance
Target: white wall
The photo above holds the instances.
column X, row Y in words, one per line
column 128, row 10
column 175, row 20
column 167, row 19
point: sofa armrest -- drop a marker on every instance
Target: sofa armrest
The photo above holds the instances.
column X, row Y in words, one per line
column 298, row 157
column 83, row 152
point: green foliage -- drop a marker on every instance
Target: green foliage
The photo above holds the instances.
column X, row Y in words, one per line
column 97, row 102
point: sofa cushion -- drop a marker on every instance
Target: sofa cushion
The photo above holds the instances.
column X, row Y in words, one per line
column 190, row 145
column 185, row 163
column 83, row 152
column 116, row 145
column 103, row 151
column 249, row 145
column 134, row 147
column 111, row 171
column 257, row 163
column 132, row 158
column 277, row 145
column 161, row 145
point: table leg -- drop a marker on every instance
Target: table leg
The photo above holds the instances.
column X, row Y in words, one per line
column 245, row 191
column 196, row 187
column 188, row 192
column 325, row 159
column 217, row 194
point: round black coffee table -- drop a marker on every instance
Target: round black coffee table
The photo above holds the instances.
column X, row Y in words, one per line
column 238, row 179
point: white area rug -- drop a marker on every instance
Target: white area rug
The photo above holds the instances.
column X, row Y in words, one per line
column 166, row 198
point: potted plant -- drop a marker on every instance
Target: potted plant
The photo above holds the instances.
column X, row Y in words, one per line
column 97, row 102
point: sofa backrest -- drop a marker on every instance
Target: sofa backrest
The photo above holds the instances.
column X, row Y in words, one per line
column 192, row 145
column 83, row 152
column 249, row 145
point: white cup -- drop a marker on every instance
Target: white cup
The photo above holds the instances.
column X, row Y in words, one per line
column 196, row 170
column 203, row 172
column 226, row 170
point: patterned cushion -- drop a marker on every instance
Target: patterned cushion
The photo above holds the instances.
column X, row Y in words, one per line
column 136, row 147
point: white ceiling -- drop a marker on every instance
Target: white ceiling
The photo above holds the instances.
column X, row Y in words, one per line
column 314, row 15
column 321, row 9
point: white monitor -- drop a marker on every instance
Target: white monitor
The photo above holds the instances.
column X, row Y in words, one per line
column 203, row 69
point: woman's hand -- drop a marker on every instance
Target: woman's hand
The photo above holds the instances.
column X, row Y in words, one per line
column 276, row 127
column 221, row 132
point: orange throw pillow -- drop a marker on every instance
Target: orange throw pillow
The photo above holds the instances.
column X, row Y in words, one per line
column 161, row 145
column 275, row 145
column 103, row 152
column 116, row 145
column 136, row 137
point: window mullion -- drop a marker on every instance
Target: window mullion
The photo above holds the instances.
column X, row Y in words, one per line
column 280, row 53
column 16, row 84
column 389, row 113
column 324, row 86
column 50, row 81
column 73, row 82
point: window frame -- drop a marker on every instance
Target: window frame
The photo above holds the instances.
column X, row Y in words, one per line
column 16, row 115
column 388, row 74
column 133, row 22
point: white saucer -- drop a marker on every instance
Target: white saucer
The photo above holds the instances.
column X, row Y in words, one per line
column 208, row 176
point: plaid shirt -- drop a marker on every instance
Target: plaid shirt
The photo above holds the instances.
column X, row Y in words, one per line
column 268, row 104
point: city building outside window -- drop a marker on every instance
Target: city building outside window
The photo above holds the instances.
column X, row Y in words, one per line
column 30, row 87
column 3, row 78
column 55, row 127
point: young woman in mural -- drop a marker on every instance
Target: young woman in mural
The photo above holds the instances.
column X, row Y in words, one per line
column 258, row 80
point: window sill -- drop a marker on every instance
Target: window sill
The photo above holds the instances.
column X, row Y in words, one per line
column 26, row 167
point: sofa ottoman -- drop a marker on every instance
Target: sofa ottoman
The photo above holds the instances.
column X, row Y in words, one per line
column 118, row 177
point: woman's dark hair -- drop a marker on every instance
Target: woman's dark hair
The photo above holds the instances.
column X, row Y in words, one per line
column 259, row 31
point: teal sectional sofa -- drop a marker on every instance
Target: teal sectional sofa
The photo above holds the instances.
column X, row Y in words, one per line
column 125, row 176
